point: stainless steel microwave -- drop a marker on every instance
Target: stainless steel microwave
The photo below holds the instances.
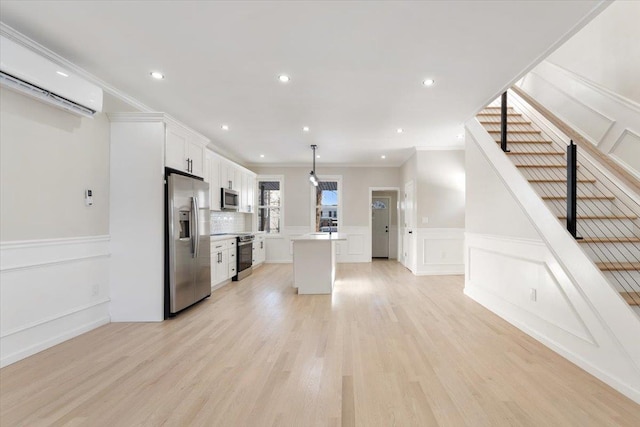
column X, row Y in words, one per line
column 229, row 199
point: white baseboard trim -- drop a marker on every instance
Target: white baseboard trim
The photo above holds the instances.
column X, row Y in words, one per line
column 67, row 334
column 441, row 270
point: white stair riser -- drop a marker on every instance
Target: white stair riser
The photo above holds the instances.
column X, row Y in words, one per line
column 619, row 252
column 560, row 189
column 606, row 227
column 624, row 281
column 592, row 207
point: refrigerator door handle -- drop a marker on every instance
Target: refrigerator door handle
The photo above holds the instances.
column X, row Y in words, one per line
column 196, row 234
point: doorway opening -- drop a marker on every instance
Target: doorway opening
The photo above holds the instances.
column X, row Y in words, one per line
column 383, row 223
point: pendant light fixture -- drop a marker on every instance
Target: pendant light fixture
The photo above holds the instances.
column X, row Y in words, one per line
column 312, row 175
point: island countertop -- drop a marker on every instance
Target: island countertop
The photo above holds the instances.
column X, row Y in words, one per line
column 321, row 237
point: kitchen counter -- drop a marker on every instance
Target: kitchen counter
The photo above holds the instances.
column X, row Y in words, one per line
column 314, row 262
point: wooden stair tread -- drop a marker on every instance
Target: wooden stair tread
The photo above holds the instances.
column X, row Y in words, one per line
column 609, row 240
column 489, row 114
column 583, row 180
column 631, row 298
column 535, row 153
column 618, row 266
column 542, row 166
column 602, row 217
column 579, row 197
column 516, row 131
column 484, row 122
column 528, row 141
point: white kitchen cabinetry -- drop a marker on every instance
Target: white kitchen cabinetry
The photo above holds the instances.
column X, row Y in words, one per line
column 140, row 148
column 212, row 176
column 184, row 151
column 259, row 250
column 247, row 192
column 229, row 175
column 223, row 260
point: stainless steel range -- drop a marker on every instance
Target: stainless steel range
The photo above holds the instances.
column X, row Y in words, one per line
column 244, row 256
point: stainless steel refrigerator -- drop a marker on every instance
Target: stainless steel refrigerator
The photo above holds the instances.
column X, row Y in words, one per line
column 188, row 263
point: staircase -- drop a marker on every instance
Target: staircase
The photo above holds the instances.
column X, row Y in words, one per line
column 609, row 227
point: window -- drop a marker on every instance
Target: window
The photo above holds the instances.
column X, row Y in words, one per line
column 270, row 195
column 326, row 199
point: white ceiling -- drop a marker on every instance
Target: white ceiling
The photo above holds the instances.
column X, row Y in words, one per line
column 356, row 67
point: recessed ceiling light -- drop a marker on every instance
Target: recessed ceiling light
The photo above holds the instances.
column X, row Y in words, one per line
column 400, row 130
column 157, row 75
column 284, row 78
column 62, row 74
column 225, row 127
column 460, row 135
column 317, row 156
column 429, row 82
column 305, row 129
column 383, row 157
column 262, row 155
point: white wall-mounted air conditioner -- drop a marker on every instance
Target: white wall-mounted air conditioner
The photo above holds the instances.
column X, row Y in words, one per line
column 27, row 72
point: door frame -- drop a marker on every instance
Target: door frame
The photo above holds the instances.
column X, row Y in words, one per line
column 369, row 209
column 389, row 222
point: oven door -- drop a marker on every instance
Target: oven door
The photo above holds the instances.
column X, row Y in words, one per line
column 245, row 256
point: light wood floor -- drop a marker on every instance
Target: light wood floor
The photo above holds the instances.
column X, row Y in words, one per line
column 386, row 349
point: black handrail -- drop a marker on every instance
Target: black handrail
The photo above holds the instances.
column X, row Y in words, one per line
column 503, row 123
column 572, row 190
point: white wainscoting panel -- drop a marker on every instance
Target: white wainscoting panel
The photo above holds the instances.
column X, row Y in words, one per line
column 356, row 248
column 626, row 151
column 503, row 272
column 50, row 291
column 609, row 121
column 440, row 251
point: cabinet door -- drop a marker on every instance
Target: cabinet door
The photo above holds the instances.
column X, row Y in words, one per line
column 262, row 249
column 251, row 193
column 195, row 153
column 243, row 192
column 222, row 265
column 175, row 145
column 214, row 180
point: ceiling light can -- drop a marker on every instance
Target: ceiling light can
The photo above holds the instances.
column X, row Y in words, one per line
column 157, row 75
column 429, row 82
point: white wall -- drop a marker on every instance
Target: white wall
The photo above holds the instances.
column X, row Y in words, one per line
column 54, row 250
column 356, row 182
column 515, row 245
column 607, row 50
column 48, row 158
column 439, row 187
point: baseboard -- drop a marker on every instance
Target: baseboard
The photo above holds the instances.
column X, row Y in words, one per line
column 62, row 329
column 440, row 270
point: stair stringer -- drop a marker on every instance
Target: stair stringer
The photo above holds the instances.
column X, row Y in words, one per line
column 613, row 353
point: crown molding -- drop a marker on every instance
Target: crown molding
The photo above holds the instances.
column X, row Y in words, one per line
column 323, row 165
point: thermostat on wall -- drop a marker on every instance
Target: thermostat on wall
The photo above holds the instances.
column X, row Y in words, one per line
column 88, row 197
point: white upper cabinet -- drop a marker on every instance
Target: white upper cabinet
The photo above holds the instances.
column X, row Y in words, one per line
column 212, row 176
column 184, row 151
column 223, row 173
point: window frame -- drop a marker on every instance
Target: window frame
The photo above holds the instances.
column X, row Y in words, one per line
column 312, row 200
column 280, row 179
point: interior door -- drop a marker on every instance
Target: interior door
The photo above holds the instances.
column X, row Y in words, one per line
column 408, row 226
column 380, row 227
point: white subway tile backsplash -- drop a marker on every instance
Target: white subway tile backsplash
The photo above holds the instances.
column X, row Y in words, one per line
column 230, row 222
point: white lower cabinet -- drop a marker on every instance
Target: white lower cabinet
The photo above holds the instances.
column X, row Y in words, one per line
column 223, row 257
column 259, row 250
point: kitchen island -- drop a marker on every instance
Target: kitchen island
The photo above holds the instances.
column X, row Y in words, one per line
column 314, row 262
